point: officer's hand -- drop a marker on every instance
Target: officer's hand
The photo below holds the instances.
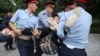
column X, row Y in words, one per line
column 36, row 33
column 52, row 28
column 12, row 34
column 17, row 31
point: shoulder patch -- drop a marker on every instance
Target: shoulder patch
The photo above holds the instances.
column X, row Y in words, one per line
column 43, row 13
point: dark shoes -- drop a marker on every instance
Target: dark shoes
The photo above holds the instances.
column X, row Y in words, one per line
column 12, row 48
column 6, row 48
column 9, row 48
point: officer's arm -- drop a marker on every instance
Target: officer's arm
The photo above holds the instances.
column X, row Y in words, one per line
column 60, row 29
column 11, row 23
column 42, row 18
column 13, row 20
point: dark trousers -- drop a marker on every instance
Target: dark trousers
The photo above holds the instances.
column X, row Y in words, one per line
column 25, row 47
column 2, row 26
column 38, row 49
column 65, row 51
column 7, row 39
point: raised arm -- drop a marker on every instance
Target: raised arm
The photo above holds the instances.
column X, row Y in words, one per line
column 12, row 21
column 60, row 29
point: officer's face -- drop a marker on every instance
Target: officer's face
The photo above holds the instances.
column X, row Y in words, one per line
column 67, row 9
column 33, row 6
column 70, row 7
column 49, row 9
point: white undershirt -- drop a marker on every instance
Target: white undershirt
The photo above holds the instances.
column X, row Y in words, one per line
column 72, row 47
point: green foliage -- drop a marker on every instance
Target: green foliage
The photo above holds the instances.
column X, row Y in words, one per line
column 5, row 6
column 94, row 8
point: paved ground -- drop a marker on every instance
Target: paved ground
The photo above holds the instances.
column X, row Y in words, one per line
column 93, row 48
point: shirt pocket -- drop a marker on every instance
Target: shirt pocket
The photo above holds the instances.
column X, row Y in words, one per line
column 22, row 21
column 32, row 23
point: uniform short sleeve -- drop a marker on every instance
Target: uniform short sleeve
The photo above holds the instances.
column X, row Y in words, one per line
column 15, row 16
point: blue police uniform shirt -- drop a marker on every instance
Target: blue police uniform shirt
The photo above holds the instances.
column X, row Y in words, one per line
column 78, row 34
column 42, row 16
column 60, row 14
column 24, row 20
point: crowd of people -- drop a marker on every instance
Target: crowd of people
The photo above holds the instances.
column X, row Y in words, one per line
column 70, row 26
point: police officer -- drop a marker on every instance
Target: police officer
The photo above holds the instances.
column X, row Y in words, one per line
column 42, row 16
column 76, row 39
column 25, row 19
column 47, row 12
column 66, row 8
